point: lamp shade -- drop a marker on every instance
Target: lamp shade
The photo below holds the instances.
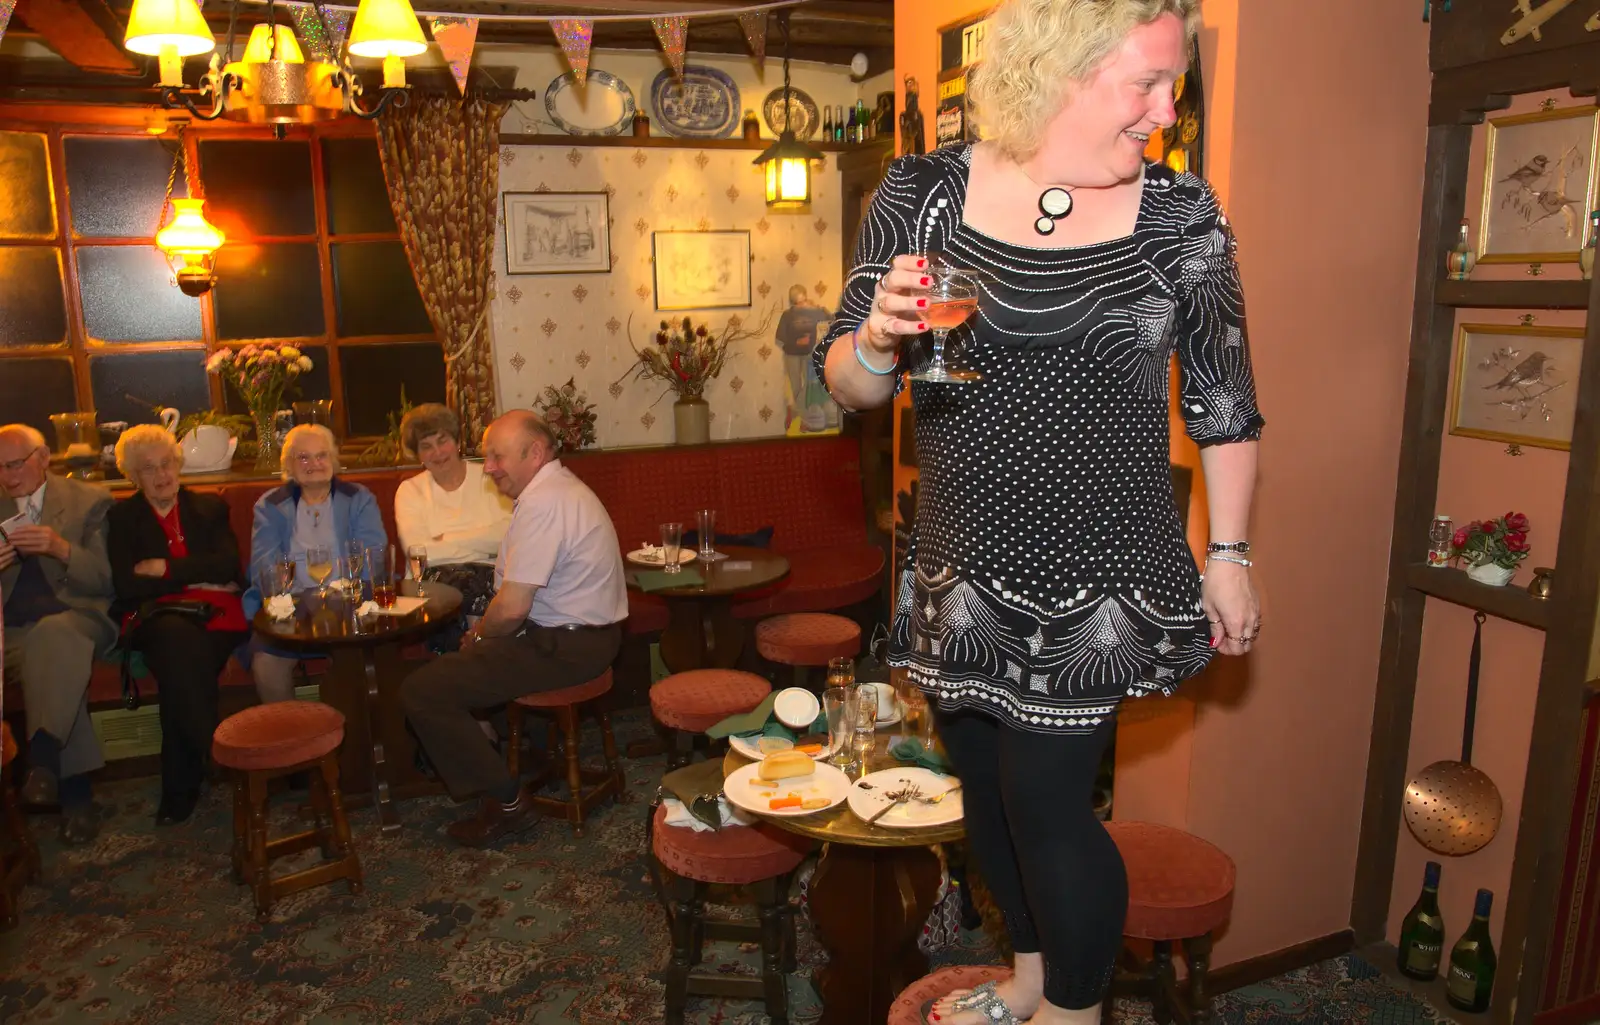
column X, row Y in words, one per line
column 259, row 49
column 787, row 166
column 386, row 28
column 154, row 24
column 189, row 235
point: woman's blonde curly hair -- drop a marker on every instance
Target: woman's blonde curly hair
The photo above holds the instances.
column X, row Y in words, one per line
column 1036, row 50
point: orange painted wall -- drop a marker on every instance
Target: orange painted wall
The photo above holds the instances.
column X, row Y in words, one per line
column 1318, row 156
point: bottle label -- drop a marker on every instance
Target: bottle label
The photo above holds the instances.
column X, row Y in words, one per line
column 1438, row 558
column 1462, row 984
column 1423, row 956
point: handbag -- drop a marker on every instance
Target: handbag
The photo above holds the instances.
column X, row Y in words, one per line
column 197, row 610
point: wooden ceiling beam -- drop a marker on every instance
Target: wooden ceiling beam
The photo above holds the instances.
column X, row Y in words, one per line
column 83, row 32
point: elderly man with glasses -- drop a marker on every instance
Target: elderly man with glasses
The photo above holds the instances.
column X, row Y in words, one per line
column 57, row 585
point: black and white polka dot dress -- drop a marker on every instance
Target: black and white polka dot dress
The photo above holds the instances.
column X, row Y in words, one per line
column 1049, row 576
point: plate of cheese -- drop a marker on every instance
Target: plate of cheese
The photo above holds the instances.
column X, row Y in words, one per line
column 786, row 785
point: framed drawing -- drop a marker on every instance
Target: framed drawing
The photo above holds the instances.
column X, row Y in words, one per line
column 558, row 233
column 1516, row 384
column 701, row 270
column 1539, row 186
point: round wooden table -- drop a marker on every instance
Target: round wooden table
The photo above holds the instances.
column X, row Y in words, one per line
column 702, row 632
column 872, row 892
column 368, row 698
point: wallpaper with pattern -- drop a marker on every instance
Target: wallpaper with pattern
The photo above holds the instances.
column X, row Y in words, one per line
column 548, row 328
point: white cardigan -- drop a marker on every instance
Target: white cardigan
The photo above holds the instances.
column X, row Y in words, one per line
column 464, row 525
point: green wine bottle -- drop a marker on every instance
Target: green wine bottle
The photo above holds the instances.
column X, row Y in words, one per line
column 1422, row 932
column 1472, row 962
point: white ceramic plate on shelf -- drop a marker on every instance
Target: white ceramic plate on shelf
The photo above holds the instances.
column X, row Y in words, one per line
column 650, row 556
column 871, row 792
column 824, row 781
column 604, row 105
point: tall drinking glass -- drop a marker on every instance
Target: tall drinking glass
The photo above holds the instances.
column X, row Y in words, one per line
column 952, row 300
column 708, row 536
column 839, row 709
column 671, row 546
column 381, row 563
column 417, row 556
column 355, row 562
column 319, row 567
column 841, row 672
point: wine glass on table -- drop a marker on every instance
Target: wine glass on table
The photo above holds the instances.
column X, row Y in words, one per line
column 319, row 567
column 952, row 296
column 417, row 556
column 355, row 562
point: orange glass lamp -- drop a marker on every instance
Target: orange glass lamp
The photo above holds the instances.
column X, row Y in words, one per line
column 787, row 162
column 190, row 241
column 387, row 29
column 168, row 30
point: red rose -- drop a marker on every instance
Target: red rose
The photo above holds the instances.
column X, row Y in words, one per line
column 1460, row 539
column 1517, row 542
column 1515, row 521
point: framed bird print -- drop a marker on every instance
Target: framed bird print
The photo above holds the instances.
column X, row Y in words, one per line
column 1516, row 383
column 1539, row 186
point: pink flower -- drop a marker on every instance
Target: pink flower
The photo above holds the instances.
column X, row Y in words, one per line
column 1517, row 522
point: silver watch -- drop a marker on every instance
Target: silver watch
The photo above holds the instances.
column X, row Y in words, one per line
column 1242, row 547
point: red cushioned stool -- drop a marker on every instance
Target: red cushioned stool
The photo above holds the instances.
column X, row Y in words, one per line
column 562, row 706
column 807, row 639
column 268, row 741
column 19, row 858
column 688, row 704
column 1179, row 888
column 907, row 1007
column 759, row 858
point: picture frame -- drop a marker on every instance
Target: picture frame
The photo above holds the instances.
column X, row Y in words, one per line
column 1516, row 383
column 1539, row 185
column 558, row 233
column 701, row 270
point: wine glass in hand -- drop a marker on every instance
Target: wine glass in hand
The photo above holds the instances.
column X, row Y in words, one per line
column 952, row 300
column 417, row 555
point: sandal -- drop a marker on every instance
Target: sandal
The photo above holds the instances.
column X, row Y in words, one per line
column 982, row 999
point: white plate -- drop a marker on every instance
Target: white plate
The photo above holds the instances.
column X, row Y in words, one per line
column 824, row 781
column 604, row 105
column 912, row 814
column 404, row 605
column 747, row 746
column 653, row 556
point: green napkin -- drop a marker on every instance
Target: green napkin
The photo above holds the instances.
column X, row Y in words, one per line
column 774, row 728
column 660, row 580
column 911, row 750
column 745, row 723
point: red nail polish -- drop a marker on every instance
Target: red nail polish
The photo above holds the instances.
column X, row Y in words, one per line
column 926, row 282
column 922, row 304
column 921, row 264
column 1213, row 642
column 922, row 327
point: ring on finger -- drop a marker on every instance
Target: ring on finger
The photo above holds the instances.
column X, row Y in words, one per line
column 878, row 302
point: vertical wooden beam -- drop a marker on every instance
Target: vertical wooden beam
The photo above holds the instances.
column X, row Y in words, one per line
column 1444, row 199
column 1547, row 794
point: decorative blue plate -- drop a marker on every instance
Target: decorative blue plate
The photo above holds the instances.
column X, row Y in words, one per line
column 704, row 104
column 603, row 106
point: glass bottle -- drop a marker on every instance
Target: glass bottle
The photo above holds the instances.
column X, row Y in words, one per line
column 1461, row 259
column 838, row 123
column 1586, row 254
column 1440, row 535
column 827, row 124
column 863, row 122
column 1472, row 962
column 851, row 128
column 1422, row 932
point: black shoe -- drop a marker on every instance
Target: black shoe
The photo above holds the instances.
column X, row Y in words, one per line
column 176, row 808
column 80, row 824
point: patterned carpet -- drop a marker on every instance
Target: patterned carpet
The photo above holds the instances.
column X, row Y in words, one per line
column 146, row 926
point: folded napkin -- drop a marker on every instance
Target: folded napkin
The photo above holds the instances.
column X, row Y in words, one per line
column 745, row 723
column 911, row 750
column 660, row 580
column 678, row 815
column 697, row 792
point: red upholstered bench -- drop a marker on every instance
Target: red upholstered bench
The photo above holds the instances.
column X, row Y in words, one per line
column 1180, row 887
column 760, row 857
column 907, row 1007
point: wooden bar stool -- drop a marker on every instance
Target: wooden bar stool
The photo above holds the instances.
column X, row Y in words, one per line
column 563, row 706
column 19, row 857
column 1180, row 887
column 807, row 640
column 760, row 858
column 268, row 741
column 689, row 703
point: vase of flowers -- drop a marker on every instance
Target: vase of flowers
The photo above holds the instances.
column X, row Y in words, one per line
column 1492, row 549
column 261, row 372
column 570, row 415
column 687, row 357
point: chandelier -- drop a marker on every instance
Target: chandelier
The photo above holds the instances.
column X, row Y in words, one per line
column 273, row 83
column 787, row 162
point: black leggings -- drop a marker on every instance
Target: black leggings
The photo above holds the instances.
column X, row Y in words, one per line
column 1052, row 868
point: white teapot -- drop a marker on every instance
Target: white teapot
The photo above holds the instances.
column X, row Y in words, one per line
column 208, row 449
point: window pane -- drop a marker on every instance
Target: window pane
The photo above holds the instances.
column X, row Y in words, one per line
column 27, row 205
column 270, row 291
column 374, row 374
column 133, row 387
column 32, row 389
column 313, row 385
column 32, row 311
column 258, row 188
column 358, row 201
column 115, row 186
column 375, row 290
column 128, row 296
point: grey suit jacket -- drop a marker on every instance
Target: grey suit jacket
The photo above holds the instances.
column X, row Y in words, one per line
column 77, row 511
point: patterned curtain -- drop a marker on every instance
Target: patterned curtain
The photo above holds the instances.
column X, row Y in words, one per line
column 441, row 162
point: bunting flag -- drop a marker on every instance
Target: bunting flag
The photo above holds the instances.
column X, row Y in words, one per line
column 322, row 45
column 456, row 38
column 576, row 36
column 6, row 7
column 673, row 31
column 754, row 24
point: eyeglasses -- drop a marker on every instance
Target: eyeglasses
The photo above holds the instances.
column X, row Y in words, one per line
column 16, row 465
column 166, row 464
column 308, row 458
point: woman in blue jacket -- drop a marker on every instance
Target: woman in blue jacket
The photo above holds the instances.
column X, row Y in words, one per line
column 313, row 507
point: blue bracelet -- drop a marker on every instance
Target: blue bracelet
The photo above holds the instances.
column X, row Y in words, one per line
column 855, row 346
